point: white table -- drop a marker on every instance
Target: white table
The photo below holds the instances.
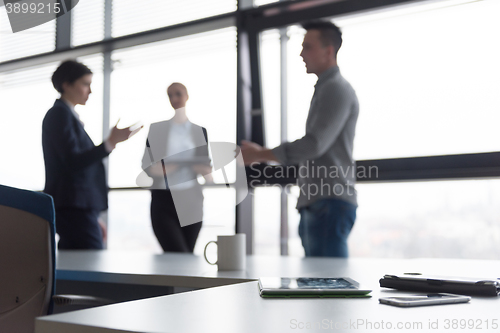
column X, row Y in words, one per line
column 239, row 308
column 177, row 269
column 124, row 276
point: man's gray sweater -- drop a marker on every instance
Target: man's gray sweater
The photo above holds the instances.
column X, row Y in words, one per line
column 324, row 155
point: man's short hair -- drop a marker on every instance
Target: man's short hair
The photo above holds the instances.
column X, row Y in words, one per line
column 68, row 71
column 330, row 34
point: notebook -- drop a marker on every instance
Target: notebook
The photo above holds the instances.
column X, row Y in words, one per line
column 442, row 284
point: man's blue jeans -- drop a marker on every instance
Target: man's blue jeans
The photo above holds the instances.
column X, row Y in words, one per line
column 324, row 227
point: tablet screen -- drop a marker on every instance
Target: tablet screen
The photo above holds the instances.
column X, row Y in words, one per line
column 307, row 283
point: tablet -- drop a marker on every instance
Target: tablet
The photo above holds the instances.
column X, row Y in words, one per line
column 310, row 287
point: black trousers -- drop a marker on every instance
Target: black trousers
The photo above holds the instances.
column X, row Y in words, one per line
column 166, row 226
column 78, row 229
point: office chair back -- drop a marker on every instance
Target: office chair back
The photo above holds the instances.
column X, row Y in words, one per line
column 27, row 258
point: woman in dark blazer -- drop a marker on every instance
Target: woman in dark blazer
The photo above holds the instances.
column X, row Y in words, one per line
column 74, row 172
column 177, row 150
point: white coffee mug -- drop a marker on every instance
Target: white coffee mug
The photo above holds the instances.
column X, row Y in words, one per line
column 231, row 252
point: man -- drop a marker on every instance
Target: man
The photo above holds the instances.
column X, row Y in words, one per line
column 74, row 172
column 326, row 172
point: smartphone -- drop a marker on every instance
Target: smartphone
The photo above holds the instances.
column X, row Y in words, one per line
column 421, row 300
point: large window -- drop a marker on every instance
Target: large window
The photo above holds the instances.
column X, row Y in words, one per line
column 135, row 16
column 426, row 77
column 87, row 22
column 206, row 65
column 267, row 220
column 25, row 43
column 446, row 219
column 442, row 219
column 25, row 97
column 427, row 80
column 270, row 69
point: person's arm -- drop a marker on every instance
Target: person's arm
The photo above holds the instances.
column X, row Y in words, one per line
column 118, row 135
column 255, row 153
column 205, row 171
column 58, row 128
column 334, row 105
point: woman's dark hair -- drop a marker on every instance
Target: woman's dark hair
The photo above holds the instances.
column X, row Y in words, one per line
column 68, row 71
